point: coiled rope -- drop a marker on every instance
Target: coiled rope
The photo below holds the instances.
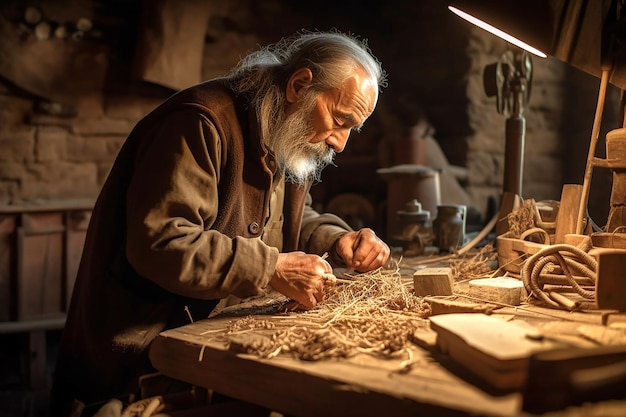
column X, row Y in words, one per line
column 569, row 258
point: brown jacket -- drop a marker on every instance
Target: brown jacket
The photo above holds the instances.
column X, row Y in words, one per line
column 177, row 225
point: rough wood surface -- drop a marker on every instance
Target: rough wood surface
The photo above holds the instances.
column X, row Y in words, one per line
column 362, row 385
column 433, row 281
column 423, row 382
column 604, row 335
column 447, row 306
column 503, row 290
column 493, row 349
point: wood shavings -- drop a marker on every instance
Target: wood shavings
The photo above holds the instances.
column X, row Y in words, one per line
column 474, row 265
column 249, row 323
column 373, row 313
column 522, row 218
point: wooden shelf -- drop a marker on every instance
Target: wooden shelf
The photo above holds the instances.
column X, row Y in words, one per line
column 52, row 323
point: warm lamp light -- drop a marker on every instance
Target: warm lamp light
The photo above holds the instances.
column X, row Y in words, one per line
column 499, row 33
column 582, row 33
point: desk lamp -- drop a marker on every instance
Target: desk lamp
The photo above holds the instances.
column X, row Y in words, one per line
column 588, row 35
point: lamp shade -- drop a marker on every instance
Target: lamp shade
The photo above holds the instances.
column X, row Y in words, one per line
column 582, row 33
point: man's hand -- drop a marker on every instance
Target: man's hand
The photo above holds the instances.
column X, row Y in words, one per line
column 302, row 277
column 362, row 250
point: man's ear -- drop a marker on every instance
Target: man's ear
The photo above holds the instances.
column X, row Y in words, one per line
column 297, row 82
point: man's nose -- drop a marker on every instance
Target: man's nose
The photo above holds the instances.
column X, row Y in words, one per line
column 338, row 139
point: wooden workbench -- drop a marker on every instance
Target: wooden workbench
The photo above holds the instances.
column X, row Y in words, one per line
column 434, row 385
column 363, row 386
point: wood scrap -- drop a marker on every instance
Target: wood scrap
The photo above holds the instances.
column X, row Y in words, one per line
column 433, row 281
column 454, row 305
column 504, row 290
column 603, row 335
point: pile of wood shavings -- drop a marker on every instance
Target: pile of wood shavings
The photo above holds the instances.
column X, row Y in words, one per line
column 474, row 265
column 522, row 218
column 373, row 313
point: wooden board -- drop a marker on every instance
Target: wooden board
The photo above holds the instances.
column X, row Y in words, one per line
column 40, row 265
column 495, row 350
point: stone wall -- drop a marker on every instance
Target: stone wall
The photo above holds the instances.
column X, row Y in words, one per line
column 434, row 61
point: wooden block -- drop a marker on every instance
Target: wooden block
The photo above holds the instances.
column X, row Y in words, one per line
column 433, row 281
column 445, row 306
column 614, row 319
column 503, row 290
column 611, row 285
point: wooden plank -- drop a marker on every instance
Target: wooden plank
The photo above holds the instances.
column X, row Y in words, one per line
column 603, row 335
column 495, row 350
column 10, row 327
column 40, row 265
column 568, row 211
column 446, row 306
column 76, row 222
column 8, row 230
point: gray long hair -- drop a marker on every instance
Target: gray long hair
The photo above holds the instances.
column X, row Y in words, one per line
column 331, row 57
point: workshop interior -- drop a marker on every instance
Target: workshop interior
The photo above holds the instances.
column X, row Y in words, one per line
column 500, row 141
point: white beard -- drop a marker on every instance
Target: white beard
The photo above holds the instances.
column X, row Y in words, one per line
column 288, row 140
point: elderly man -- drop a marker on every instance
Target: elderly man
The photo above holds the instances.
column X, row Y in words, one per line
column 208, row 198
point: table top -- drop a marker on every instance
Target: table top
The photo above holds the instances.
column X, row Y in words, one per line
column 362, row 385
column 424, row 378
column 422, row 381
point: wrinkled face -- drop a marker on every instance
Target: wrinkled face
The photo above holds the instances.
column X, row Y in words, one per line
column 340, row 111
column 315, row 125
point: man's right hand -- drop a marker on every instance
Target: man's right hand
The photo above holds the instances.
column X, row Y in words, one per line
column 302, row 277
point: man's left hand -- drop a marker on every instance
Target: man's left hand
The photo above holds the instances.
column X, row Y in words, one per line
column 362, row 250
